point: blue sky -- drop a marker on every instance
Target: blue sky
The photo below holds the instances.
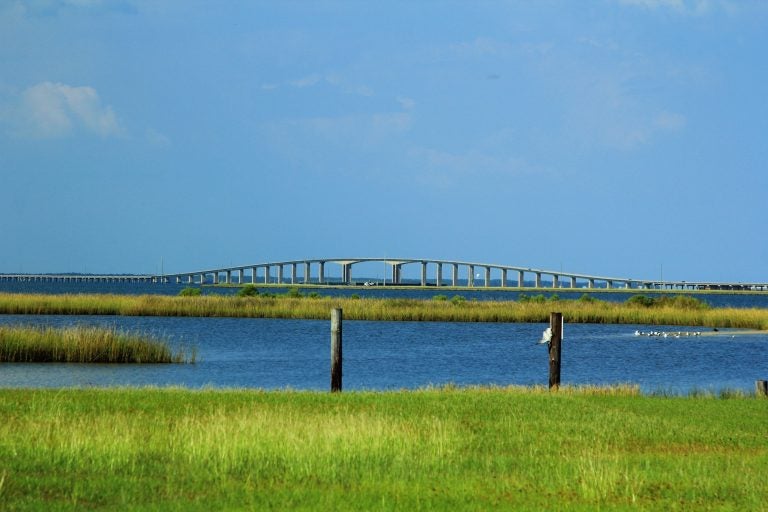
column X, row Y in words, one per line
column 613, row 137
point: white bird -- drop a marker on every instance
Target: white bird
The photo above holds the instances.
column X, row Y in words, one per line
column 546, row 336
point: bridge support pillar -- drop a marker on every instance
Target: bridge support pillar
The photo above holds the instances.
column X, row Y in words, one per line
column 396, row 273
column 241, row 276
column 608, row 285
column 279, row 274
column 538, row 279
column 307, row 270
column 591, row 283
column 520, row 279
column 253, row 275
column 503, row 278
column 266, row 274
column 455, row 275
column 423, row 273
column 215, row 278
column 321, row 273
column 555, row 281
column 293, row 273
column 439, row 275
column 573, row 282
column 487, row 281
column 470, row 275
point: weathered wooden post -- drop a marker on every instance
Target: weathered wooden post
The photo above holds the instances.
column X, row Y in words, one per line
column 761, row 388
column 335, row 349
column 556, row 324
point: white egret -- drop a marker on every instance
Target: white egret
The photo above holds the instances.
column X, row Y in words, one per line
column 546, row 336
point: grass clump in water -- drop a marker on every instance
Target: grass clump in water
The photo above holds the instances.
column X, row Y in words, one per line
column 678, row 301
column 82, row 344
column 190, row 291
column 248, row 290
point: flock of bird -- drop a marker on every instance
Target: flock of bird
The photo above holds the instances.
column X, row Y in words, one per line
column 664, row 334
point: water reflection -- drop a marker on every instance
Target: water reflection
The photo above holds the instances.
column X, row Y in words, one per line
column 274, row 353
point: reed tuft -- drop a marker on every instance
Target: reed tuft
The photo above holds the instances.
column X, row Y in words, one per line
column 83, row 344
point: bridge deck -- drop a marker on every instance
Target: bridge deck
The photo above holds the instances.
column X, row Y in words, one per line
column 249, row 273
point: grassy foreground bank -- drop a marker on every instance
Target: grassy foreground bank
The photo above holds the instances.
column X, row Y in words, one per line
column 449, row 449
column 674, row 312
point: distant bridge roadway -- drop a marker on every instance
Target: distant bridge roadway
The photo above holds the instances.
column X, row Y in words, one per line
column 437, row 273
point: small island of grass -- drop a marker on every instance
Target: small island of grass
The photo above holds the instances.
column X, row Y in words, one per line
column 82, row 344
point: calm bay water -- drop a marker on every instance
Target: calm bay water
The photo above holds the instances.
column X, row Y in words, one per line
column 273, row 353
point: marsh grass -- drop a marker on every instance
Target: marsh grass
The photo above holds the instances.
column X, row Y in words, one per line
column 674, row 312
column 438, row 449
column 83, row 344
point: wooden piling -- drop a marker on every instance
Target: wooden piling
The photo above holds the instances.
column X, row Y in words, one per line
column 336, row 315
column 556, row 324
column 761, row 388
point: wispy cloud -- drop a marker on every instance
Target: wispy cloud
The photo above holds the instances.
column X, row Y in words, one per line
column 337, row 142
column 318, row 79
column 364, row 130
column 604, row 113
column 669, row 121
column 308, row 81
column 52, row 110
column 655, row 4
column 406, row 103
column 449, row 169
column 44, row 8
column 608, row 94
column 685, row 7
column 156, row 138
column 479, row 47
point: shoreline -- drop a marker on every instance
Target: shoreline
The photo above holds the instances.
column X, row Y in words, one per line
column 494, row 289
column 675, row 311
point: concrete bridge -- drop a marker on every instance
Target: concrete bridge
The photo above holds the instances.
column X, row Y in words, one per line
column 80, row 278
column 437, row 273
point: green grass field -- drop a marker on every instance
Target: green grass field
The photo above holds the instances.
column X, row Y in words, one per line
column 444, row 449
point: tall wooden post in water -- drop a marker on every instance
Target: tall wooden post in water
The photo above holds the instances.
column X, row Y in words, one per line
column 556, row 324
column 336, row 349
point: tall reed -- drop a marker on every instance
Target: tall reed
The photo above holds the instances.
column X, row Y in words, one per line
column 82, row 344
column 285, row 306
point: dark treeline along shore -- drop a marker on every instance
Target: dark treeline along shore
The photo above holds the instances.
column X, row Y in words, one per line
column 293, row 304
